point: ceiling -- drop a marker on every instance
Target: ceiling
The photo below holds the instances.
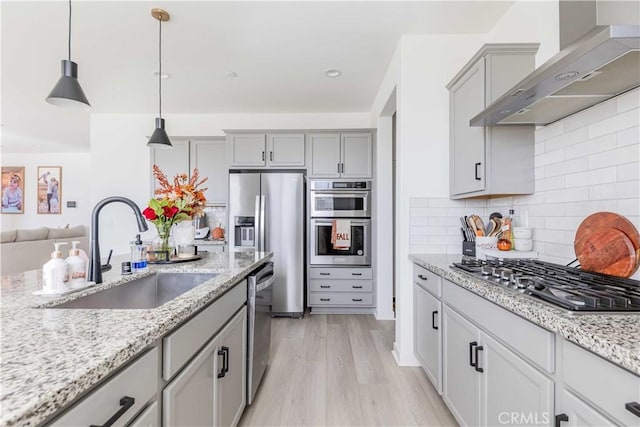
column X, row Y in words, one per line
column 279, row 50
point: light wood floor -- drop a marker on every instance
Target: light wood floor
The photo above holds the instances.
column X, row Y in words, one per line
column 330, row 370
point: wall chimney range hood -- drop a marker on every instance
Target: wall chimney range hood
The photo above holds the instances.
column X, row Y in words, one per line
column 605, row 62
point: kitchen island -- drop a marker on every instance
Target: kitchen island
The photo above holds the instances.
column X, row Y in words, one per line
column 494, row 352
column 50, row 357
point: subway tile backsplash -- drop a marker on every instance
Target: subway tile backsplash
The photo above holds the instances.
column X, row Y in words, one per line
column 586, row 163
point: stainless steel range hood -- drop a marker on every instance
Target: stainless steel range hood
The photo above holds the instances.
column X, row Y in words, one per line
column 600, row 65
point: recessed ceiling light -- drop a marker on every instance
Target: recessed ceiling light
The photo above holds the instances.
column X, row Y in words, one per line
column 162, row 76
column 232, row 74
column 333, row 73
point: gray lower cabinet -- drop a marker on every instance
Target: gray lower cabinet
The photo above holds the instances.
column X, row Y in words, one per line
column 428, row 334
column 150, row 417
column 340, row 287
column 210, row 390
column 575, row 412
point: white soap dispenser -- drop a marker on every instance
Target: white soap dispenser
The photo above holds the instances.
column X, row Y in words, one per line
column 55, row 272
column 77, row 267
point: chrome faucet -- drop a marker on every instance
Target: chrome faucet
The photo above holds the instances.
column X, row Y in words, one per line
column 95, row 269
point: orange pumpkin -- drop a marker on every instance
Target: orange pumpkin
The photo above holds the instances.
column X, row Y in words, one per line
column 218, row 232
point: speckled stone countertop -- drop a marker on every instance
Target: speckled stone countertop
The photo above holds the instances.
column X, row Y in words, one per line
column 48, row 356
column 615, row 337
column 209, row 242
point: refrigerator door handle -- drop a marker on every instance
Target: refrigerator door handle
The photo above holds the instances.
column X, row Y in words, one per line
column 256, row 224
column 263, row 202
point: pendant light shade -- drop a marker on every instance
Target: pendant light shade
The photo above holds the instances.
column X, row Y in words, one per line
column 159, row 138
column 67, row 92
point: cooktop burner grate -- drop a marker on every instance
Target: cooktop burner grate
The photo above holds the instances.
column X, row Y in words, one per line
column 567, row 287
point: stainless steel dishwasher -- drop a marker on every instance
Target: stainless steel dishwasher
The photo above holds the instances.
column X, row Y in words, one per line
column 259, row 301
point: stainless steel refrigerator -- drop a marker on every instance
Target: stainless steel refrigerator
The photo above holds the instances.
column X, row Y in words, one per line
column 266, row 213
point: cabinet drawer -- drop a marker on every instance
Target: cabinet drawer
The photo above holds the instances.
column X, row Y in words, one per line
column 319, row 285
column 601, row 382
column 181, row 345
column 341, row 273
column 341, row 299
column 529, row 340
column 149, row 418
column 427, row 280
column 139, row 380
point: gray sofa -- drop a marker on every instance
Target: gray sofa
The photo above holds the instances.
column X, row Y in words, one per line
column 24, row 250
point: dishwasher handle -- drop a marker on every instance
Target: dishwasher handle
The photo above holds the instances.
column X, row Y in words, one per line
column 265, row 284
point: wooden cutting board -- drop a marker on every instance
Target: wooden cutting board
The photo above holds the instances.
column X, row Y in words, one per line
column 608, row 243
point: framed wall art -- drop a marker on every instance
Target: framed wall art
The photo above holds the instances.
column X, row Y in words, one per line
column 12, row 190
column 49, row 189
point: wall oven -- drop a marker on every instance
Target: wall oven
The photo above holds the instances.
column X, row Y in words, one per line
column 322, row 251
column 346, row 199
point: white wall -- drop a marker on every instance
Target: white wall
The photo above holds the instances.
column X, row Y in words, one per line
column 76, row 179
column 120, row 158
column 427, row 64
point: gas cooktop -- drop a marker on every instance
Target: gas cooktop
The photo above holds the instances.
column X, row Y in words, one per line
column 566, row 287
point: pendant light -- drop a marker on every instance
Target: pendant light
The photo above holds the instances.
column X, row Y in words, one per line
column 67, row 92
column 159, row 138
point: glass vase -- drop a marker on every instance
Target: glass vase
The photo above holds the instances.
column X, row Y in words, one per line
column 163, row 243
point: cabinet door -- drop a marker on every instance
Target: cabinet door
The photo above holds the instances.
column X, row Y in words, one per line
column 325, row 155
column 428, row 334
column 171, row 161
column 356, row 155
column 210, row 157
column 461, row 380
column 513, row 392
column 189, row 400
column 231, row 389
column 578, row 413
column 150, row 417
column 247, row 149
column 285, row 149
column 467, row 142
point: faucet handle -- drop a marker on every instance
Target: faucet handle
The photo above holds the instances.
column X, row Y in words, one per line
column 107, row 266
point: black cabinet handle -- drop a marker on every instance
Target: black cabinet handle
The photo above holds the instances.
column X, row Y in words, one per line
column 472, row 345
column 263, row 156
column 126, row 402
column 342, row 167
column 634, row 408
column 356, row 287
column 338, row 167
column 325, row 299
column 325, row 286
column 421, row 277
column 477, row 350
column 560, row 418
column 224, row 352
column 356, row 299
column 325, row 274
column 271, row 155
column 356, row 274
column 477, row 165
column 433, row 319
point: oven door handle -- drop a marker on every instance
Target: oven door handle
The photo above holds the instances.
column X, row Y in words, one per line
column 366, row 222
column 340, row 193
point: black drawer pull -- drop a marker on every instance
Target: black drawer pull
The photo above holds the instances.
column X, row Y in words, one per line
column 126, row 402
column 224, row 352
column 325, row 299
column 433, row 319
column 325, row 274
column 634, row 408
column 471, row 347
column 477, row 350
column 560, row 418
column 356, row 299
column 421, row 277
column 356, row 274
column 357, row 286
column 477, row 173
column 325, row 286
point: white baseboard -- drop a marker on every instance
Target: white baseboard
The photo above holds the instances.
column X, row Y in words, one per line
column 404, row 359
column 385, row 316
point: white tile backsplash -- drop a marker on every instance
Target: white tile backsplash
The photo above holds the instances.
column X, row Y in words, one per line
column 588, row 162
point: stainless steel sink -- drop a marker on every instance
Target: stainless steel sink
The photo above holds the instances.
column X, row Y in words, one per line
column 146, row 292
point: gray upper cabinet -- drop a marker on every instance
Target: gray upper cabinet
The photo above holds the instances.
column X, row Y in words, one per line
column 487, row 161
column 267, row 150
column 335, row 155
column 210, row 157
column 171, row 161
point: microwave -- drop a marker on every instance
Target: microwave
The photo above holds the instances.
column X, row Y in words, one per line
column 340, row 199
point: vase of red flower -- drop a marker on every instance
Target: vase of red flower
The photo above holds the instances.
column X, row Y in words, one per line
column 181, row 201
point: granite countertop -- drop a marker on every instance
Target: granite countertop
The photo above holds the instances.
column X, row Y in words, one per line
column 48, row 356
column 615, row 337
column 202, row 242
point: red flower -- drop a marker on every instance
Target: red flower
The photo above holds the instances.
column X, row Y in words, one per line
column 170, row 212
column 149, row 214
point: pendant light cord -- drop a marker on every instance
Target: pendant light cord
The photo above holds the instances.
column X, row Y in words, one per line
column 160, row 66
column 69, row 30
